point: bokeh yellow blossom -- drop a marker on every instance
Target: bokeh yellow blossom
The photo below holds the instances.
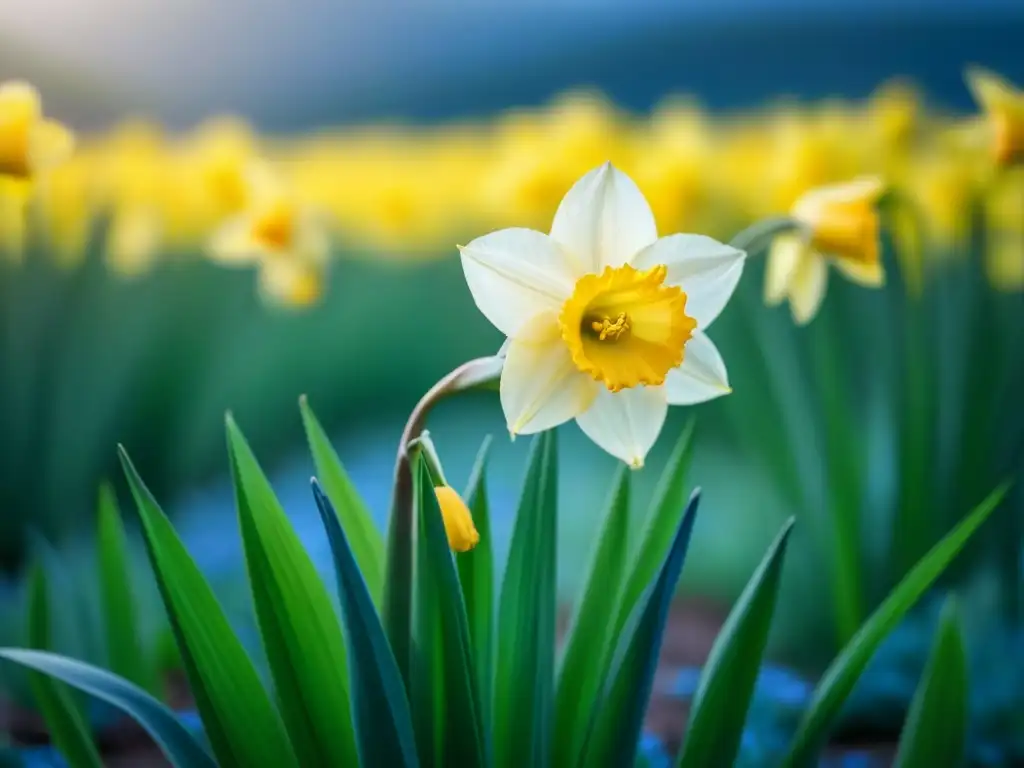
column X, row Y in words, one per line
column 841, row 226
column 29, row 143
column 1003, row 105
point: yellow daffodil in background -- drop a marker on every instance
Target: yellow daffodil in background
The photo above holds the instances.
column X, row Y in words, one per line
column 841, row 225
column 605, row 321
column 1004, row 213
column 1004, row 108
column 29, row 143
column 458, row 522
column 284, row 238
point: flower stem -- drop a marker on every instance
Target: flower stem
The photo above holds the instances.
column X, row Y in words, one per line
column 478, row 373
column 758, row 236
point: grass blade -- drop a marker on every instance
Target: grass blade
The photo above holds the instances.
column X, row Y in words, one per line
column 300, row 631
column 180, row 746
column 615, row 729
column 476, row 575
column 125, row 655
column 720, row 705
column 366, row 541
column 242, row 725
column 463, row 740
column 936, row 727
column 524, row 681
column 667, row 509
column 841, row 676
column 585, row 659
column 68, row 729
column 383, row 722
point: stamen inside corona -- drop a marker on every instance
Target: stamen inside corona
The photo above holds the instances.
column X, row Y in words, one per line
column 625, row 327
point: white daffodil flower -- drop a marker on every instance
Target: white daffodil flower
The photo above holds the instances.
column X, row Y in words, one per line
column 605, row 321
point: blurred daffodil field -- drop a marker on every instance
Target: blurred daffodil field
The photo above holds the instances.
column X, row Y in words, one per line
column 862, row 261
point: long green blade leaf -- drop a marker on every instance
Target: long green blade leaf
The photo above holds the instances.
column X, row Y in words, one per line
column 842, row 675
column 936, row 727
column 476, row 574
column 301, row 633
column 463, row 738
column 524, row 683
column 615, row 729
column 667, row 509
column 383, row 722
column 242, row 725
column 68, row 729
column 585, row 659
column 720, row 705
column 180, row 746
column 125, row 654
column 365, row 539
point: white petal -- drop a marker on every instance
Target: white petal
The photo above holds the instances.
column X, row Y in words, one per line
column 626, row 423
column 868, row 275
column 702, row 375
column 541, row 387
column 783, row 258
column 704, row 268
column 807, row 287
column 516, row 274
column 233, row 243
column 604, row 220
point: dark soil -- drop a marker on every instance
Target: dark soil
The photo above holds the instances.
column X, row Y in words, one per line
column 691, row 631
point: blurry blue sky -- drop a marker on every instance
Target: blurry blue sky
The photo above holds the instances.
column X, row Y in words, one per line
column 289, row 65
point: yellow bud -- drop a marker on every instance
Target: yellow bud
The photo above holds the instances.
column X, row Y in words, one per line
column 458, row 522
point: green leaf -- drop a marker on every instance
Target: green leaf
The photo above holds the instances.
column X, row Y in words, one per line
column 667, row 509
column 180, row 746
column 383, row 722
column 476, row 575
column 524, row 683
column 242, row 725
column 366, row 541
column 300, row 631
column 619, row 716
column 68, row 729
column 719, row 707
column 463, row 739
column 125, row 654
column 590, row 639
column 842, row 675
column 936, row 727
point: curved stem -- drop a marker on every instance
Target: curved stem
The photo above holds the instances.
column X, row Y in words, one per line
column 758, row 235
column 475, row 374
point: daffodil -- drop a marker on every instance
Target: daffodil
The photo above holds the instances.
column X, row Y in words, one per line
column 285, row 239
column 29, row 143
column 605, row 321
column 1004, row 108
column 840, row 226
column 458, row 522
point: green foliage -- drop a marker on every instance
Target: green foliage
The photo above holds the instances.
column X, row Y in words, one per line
column 839, row 679
column 719, row 708
column 68, row 728
column 936, row 727
column 589, row 642
column 380, row 708
column 366, row 541
column 301, row 635
column 524, row 682
column 126, row 655
column 241, row 723
column 474, row 696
